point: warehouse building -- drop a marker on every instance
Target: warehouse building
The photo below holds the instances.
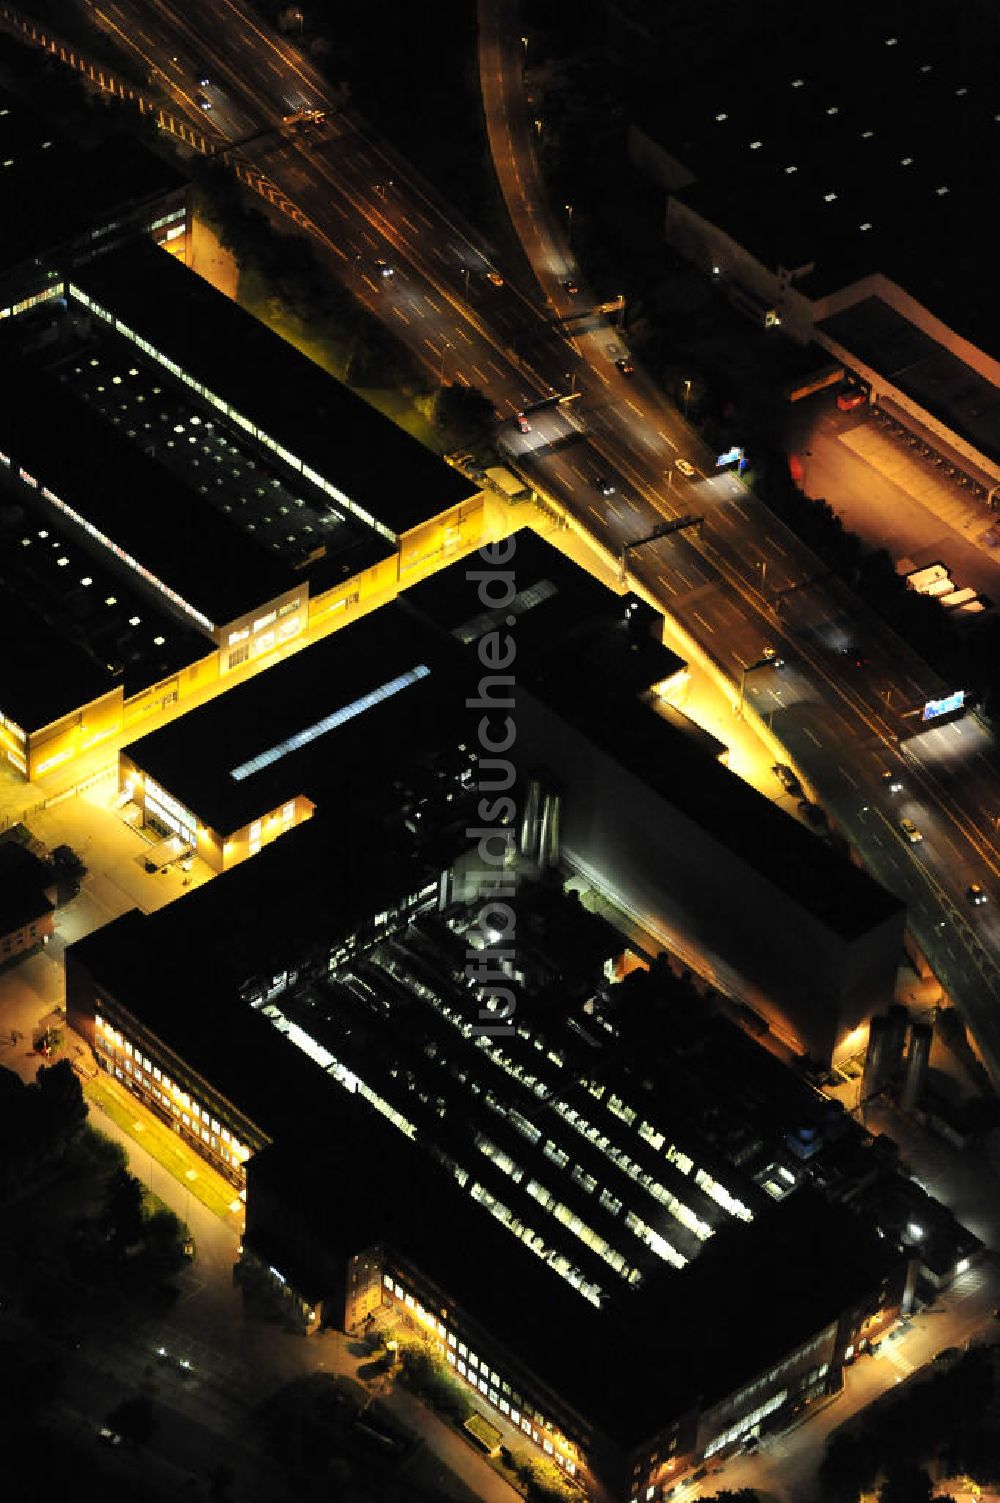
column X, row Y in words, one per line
column 616, row 1158
column 267, row 513
column 797, row 196
column 63, row 203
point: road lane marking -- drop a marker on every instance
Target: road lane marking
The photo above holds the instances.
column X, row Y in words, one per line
column 707, row 625
column 776, row 546
column 847, row 775
column 807, row 732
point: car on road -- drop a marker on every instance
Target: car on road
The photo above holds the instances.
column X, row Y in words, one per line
column 384, row 269
column 855, row 655
column 787, row 779
column 188, row 1248
column 625, row 366
column 109, row 1437
column 910, row 830
column 773, row 656
column 684, row 466
column 204, row 103
column 494, row 277
column 571, row 287
column 522, row 423
column 977, row 895
column 605, row 486
column 850, row 398
column 891, row 780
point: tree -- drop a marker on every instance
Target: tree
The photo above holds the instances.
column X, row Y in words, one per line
column 848, row 1468
column 464, row 415
column 122, row 1214
column 741, row 1495
column 906, row 1483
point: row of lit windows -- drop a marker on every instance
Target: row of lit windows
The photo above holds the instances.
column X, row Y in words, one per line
column 12, row 726
column 480, row 1375
column 237, row 417
column 146, row 1072
column 31, row 302
column 168, row 219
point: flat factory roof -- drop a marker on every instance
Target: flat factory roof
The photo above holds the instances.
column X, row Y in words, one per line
column 769, row 1286
column 852, row 147
column 353, row 711
column 924, row 369
column 53, row 192
column 318, row 422
column 162, row 524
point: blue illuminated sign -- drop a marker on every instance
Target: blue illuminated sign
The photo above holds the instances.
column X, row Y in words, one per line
column 731, row 456
column 947, row 706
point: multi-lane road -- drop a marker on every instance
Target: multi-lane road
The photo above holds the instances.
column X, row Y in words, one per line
column 742, row 583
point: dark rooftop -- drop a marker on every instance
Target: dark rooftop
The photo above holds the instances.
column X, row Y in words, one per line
column 75, row 614
column 561, row 673
column 197, row 755
column 164, row 525
column 49, row 675
column 53, row 193
column 377, row 470
column 854, row 148
column 769, row 1286
column 924, row 369
column 23, row 883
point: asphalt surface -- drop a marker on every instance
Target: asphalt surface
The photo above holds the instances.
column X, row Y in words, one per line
column 744, row 583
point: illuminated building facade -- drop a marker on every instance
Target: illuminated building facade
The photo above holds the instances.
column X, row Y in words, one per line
column 27, row 902
column 269, row 509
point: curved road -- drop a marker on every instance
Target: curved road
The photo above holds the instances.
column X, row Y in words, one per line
column 744, row 583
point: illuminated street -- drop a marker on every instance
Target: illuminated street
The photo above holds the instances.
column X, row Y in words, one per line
column 554, row 987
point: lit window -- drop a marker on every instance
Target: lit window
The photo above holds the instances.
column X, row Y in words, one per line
column 793, row 168
column 828, row 198
column 720, row 118
column 134, row 620
column 866, row 225
column 110, row 600
column 756, row 145
column 86, row 580
column 62, row 562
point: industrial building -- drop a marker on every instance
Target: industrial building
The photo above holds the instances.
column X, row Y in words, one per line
column 624, row 1158
column 63, row 202
column 656, row 819
column 639, row 800
column 797, row 195
column 270, row 508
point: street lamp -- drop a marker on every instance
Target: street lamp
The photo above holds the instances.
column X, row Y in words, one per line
column 569, row 219
column 687, row 396
column 444, row 349
column 761, row 564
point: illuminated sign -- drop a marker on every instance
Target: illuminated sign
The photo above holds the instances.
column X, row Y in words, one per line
column 947, row 706
column 731, row 456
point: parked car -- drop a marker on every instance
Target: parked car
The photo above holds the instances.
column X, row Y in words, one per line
column 522, row 423
column 787, row 779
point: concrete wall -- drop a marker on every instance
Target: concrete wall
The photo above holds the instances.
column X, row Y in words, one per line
column 676, row 879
